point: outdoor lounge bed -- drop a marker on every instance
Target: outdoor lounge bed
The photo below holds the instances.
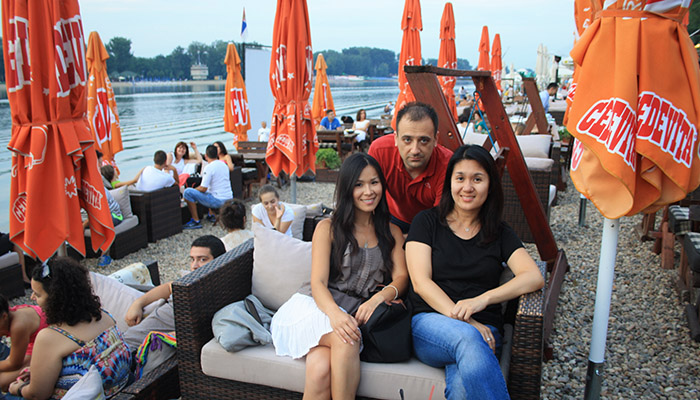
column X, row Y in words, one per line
column 256, row 372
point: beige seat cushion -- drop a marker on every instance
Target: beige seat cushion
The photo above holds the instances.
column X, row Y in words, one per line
column 260, row 365
column 126, row 224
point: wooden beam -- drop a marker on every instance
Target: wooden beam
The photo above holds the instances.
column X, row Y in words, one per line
column 533, row 96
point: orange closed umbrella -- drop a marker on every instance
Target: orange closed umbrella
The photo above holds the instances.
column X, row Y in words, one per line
column 323, row 100
column 101, row 106
column 236, row 112
column 448, row 55
column 635, row 111
column 484, row 63
column 54, row 165
column 293, row 142
column 635, row 116
column 496, row 62
column 411, row 24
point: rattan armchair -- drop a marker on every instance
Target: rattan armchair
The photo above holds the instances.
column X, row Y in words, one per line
column 203, row 292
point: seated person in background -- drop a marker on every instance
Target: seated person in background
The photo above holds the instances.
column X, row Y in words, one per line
column 361, row 125
column 162, row 319
column 478, row 124
column 546, row 94
column 110, row 174
column 263, row 132
column 232, row 217
column 389, row 108
column 79, row 335
column 463, row 121
column 20, row 323
column 455, row 253
column 271, row 212
column 222, row 154
column 157, row 176
column 330, row 122
column 214, row 190
column 7, row 246
column 346, row 119
column 180, row 159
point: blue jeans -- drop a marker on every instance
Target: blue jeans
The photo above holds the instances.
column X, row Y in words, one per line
column 471, row 369
column 206, row 199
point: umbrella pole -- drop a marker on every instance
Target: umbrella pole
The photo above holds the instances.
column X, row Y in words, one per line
column 606, row 275
column 293, row 187
column 582, row 211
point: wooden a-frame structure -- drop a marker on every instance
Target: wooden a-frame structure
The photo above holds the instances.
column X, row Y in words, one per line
column 426, row 88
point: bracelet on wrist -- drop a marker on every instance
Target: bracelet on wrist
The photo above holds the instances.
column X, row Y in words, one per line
column 19, row 390
column 396, row 295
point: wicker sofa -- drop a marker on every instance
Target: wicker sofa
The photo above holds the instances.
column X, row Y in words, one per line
column 162, row 212
column 200, row 294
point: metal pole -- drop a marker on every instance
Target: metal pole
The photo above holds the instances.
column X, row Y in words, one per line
column 582, row 211
column 601, row 313
column 293, row 185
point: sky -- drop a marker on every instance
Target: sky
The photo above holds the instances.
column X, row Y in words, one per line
column 158, row 26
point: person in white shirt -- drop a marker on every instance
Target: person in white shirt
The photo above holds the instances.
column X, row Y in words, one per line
column 271, row 212
column 361, row 125
column 214, row 190
column 263, row 132
column 157, row 176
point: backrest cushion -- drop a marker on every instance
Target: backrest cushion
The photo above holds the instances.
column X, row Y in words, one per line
column 475, row 138
column 535, row 145
column 298, row 222
column 281, row 265
column 121, row 195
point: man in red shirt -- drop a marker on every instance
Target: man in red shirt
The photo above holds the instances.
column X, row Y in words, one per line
column 412, row 162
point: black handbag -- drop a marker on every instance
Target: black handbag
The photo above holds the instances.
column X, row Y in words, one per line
column 387, row 334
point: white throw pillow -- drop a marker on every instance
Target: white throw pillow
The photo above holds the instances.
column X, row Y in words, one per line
column 281, row 265
column 89, row 387
column 121, row 195
column 539, row 164
column 535, row 145
column 298, row 222
column 475, row 138
column 116, row 298
column 133, row 274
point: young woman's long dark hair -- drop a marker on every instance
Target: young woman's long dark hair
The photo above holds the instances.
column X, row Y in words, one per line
column 221, row 148
column 491, row 211
column 70, row 298
column 343, row 220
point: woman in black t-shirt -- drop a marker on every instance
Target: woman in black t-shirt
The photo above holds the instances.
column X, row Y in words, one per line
column 455, row 254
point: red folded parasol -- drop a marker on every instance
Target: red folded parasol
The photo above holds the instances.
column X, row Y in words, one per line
column 323, row 99
column 484, row 64
column 293, row 142
column 411, row 24
column 448, row 55
column 101, row 106
column 496, row 63
column 236, row 112
column 54, row 165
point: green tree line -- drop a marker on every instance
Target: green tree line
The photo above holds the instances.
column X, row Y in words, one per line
column 361, row 61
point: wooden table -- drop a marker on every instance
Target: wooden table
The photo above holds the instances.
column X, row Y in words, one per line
column 260, row 166
column 338, row 138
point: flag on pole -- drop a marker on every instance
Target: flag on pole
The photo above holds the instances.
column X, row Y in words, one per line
column 244, row 28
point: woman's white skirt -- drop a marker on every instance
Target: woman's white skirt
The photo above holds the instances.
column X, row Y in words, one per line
column 298, row 326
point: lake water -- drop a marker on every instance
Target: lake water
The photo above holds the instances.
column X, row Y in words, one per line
column 156, row 117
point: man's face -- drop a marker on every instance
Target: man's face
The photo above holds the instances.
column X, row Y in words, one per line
column 199, row 256
column 331, row 115
column 552, row 91
column 415, row 141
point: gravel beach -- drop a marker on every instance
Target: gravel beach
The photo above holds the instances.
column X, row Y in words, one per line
column 649, row 352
